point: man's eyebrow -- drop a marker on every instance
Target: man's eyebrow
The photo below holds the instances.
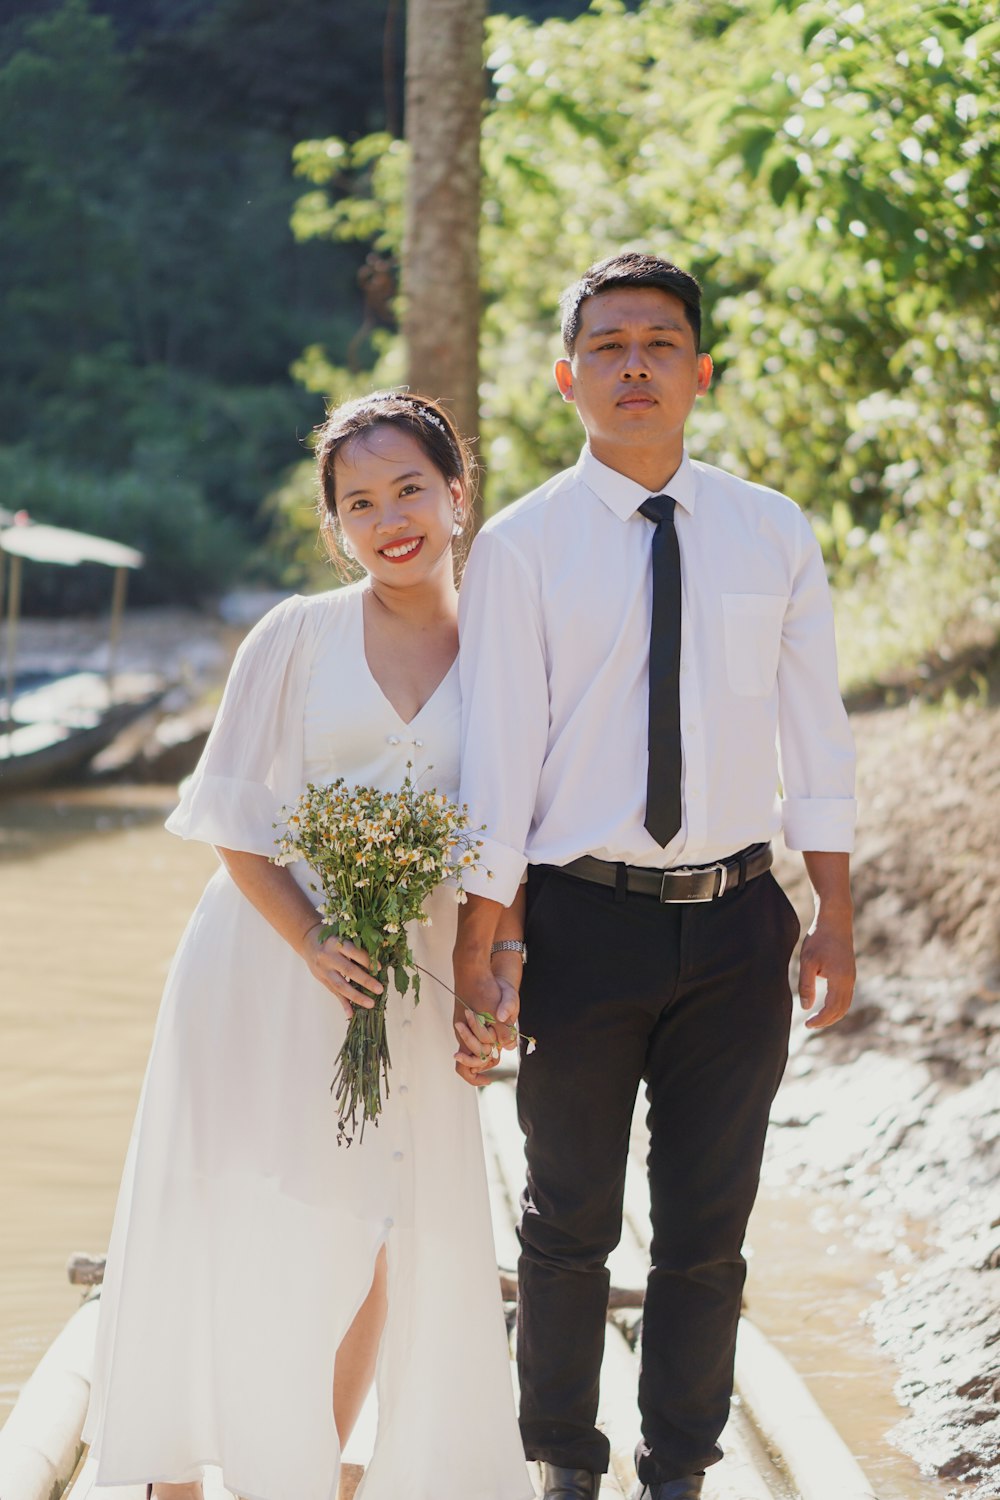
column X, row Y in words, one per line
column 668, row 327
column 363, row 488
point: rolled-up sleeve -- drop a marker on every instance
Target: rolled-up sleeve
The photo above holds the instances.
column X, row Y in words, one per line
column 505, row 709
column 815, row 744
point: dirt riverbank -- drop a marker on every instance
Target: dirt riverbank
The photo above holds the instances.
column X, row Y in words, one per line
column 188, row 647
column 898, row 1108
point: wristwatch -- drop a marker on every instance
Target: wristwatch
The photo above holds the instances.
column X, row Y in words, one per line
column 511, row 945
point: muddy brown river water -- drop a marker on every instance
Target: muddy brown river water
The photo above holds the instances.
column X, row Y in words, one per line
column 93, row 897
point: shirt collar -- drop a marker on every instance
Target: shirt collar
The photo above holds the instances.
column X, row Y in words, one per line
column 623, row 496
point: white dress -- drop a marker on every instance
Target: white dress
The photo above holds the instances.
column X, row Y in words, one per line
column 245, row 1238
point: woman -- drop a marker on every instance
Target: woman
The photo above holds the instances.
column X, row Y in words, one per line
column 253, row 1262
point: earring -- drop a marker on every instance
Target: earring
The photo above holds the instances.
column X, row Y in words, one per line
column 457, row 527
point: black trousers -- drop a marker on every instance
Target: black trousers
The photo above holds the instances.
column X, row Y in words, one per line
column 694, row 1001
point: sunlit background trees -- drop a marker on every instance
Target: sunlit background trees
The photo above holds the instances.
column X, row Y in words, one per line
column 828, row 171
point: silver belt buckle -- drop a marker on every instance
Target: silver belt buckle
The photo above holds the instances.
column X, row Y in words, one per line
column 666, row 900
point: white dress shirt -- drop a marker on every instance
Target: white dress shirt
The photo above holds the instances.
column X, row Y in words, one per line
column 554, row 617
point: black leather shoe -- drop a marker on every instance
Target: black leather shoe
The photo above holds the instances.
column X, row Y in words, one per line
column 688, row 1488
column 569, row 1484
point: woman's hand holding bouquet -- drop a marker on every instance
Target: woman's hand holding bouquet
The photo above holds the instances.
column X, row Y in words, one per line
column 378, row 856
column 342, row 967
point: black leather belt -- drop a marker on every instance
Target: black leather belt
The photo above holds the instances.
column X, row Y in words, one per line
column 690, row 883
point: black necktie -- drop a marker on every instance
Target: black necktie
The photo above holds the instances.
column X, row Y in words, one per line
column 663, row 780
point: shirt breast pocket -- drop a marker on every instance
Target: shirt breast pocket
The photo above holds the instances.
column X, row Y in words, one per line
column 752, row 624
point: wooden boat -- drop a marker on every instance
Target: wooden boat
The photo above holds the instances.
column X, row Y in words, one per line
column 52, row 725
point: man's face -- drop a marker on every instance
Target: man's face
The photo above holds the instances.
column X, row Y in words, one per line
column 635, row 373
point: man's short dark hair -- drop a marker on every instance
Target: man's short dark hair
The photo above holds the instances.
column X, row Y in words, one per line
column 630, row 268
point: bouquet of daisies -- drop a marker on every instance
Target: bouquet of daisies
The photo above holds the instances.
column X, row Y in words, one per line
column 378, row 856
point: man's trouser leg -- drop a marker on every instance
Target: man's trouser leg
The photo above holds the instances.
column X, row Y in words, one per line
column 603, row 978
column 575, row 1108
column 715, row 1060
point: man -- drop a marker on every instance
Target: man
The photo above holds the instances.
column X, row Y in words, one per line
column 647, row 656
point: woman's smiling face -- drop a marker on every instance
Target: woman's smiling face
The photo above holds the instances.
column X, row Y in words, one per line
column 397, row 511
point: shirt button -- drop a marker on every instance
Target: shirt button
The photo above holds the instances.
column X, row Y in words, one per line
column 389, row 1223
column 403, row 1089
column 407, row 1023
column 392, row 739
column 397, row 1156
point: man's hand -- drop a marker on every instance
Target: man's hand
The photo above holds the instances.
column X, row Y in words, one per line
column 480, row 991
column 480, row 1042
column 828, row 951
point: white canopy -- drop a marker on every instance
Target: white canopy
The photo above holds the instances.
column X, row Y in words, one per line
column 56, row 544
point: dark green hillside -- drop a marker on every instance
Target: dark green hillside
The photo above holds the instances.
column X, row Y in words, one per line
column 152, row 297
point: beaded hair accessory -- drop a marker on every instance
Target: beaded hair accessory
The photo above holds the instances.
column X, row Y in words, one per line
column 428, row 416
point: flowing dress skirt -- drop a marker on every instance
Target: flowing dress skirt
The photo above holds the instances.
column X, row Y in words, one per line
column 245, row 1237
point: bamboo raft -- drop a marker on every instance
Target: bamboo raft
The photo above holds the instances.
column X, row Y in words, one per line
column 778, row 1443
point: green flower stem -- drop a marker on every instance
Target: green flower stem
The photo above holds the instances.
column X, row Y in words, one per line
column 484, row 1017
column 362, row 1067
column 363, row 1061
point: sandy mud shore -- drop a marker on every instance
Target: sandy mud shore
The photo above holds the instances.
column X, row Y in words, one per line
column 898, row 1108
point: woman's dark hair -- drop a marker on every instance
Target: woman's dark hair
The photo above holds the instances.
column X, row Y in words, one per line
column 427, row 423
column 630, row 268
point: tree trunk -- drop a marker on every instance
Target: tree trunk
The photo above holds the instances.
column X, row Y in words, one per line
column 444, row 102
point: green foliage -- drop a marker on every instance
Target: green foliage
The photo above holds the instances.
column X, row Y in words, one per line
column 884, row 128
column 828, row 171
column 153, row 299
column 297, row 555
column 359, row 190
column 192, row 552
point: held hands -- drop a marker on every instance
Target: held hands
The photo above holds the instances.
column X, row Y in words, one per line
column 342, row 968
column 827, row 953
column 481, row 1041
